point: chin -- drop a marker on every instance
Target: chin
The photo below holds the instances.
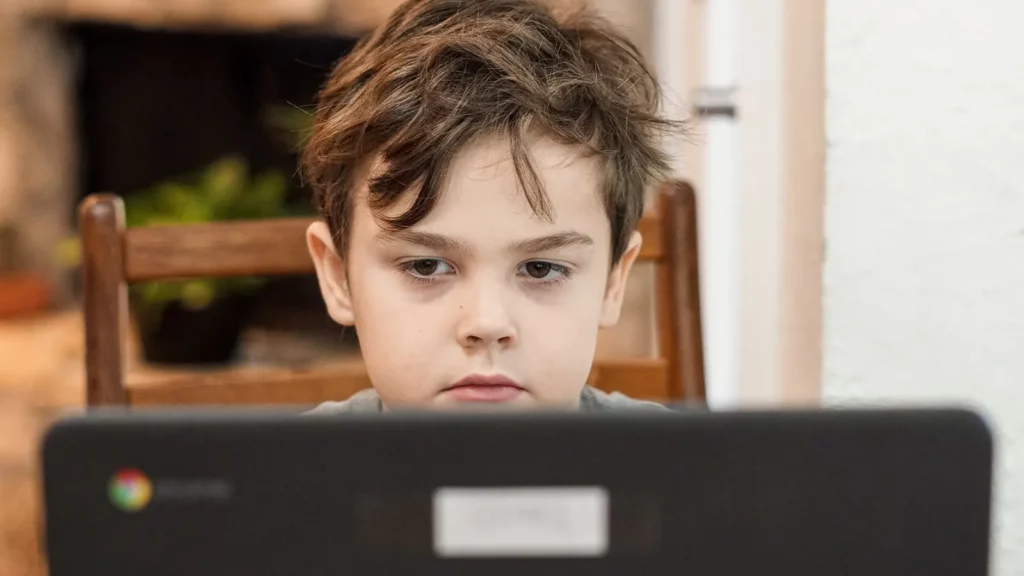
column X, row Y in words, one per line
column 525, row 403
column 482, row 407
column 446, row 401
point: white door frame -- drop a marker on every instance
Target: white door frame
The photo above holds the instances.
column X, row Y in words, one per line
column 760, row 182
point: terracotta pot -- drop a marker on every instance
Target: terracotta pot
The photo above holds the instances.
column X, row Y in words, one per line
column 23, row 294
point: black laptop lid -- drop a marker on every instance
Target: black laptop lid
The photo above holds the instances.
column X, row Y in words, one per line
column 822, row 493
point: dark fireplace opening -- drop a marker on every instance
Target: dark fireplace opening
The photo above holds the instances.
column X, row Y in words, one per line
column 155, row 105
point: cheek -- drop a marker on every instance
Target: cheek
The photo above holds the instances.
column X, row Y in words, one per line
column 398, row 337
column 561, row 338
column 388, row 317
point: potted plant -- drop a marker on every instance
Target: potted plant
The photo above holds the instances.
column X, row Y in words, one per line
column 199, row 321
column 22, row 292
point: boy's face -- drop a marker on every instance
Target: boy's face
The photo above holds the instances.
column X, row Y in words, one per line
column 481, row 304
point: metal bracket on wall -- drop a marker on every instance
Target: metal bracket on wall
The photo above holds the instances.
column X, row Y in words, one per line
column 714, row 101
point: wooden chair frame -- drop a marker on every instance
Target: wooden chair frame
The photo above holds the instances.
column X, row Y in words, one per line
column 113, row 256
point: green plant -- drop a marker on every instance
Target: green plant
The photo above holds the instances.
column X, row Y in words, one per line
column 225, row 190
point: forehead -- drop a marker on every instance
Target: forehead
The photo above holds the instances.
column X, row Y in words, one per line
column 482, row 199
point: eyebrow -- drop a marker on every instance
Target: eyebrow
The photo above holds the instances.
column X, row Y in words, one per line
column 444, row 243
column 552, row 242
column 430, row 240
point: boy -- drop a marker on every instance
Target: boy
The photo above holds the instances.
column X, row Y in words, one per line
column 480, row 168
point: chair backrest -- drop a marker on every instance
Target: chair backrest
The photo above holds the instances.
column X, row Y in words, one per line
column 114, row 256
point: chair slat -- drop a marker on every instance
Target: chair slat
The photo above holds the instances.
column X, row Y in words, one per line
column 275, row 387
column 223, row 249
column 641, row 378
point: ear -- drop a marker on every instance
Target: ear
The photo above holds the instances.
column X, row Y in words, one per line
column 616, row 289
column 330, row 271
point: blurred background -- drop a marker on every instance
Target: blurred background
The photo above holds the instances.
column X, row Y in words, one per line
column 860, row 198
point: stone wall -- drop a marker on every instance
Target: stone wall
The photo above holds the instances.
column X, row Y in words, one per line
column 8, row 142
column 37, row 144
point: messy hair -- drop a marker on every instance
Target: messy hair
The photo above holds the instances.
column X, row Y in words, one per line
column 440, row 74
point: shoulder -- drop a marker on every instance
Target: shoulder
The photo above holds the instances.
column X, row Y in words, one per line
column 362, row 401
column 591, row 400
column 594, row 400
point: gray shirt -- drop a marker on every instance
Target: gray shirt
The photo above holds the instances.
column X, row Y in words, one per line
column 591, row 400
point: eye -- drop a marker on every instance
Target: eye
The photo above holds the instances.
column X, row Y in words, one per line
column 537, row 270
column 542, row 271
column 427, row 267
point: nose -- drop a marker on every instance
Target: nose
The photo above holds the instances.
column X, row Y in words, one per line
column 484, row 318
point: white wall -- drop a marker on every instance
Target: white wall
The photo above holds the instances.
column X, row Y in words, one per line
column 924, row 272
column 760, row 154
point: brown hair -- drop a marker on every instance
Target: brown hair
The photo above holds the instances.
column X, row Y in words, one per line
column 440, row 73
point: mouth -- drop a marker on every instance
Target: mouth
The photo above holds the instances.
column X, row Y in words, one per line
column 484, row 388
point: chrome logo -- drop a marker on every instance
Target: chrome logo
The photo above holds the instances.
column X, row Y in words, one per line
column 129, row 490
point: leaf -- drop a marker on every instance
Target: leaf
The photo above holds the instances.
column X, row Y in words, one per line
column 242, row 284
column 184, row 204
column 159, row 292
column 69, row 252
column 197, row 294
column 223, row 183
column 265, row 197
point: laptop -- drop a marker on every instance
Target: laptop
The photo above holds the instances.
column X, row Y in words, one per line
column 899, row 492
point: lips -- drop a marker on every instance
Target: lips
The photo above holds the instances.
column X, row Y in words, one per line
column 484, row 388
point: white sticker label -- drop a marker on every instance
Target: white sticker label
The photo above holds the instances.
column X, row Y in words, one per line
column 518, row 522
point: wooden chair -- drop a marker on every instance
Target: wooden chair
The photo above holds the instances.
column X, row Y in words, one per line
column 114, row 256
